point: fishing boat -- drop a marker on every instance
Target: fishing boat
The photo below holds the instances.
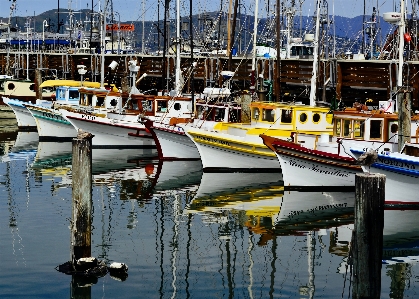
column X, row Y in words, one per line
column 24, row 119
column 402, row 174
column 305, row 167
column 52, row 125
column 237, row 146
column 169, row 130
column 22, row 90
column 61, row 91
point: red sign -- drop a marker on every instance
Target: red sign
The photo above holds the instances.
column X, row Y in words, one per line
column 122, row 27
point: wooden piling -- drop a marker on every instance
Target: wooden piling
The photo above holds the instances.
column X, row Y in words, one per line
column 38, row 82
column 367, row 241
column 82, row 197
column 404, row 110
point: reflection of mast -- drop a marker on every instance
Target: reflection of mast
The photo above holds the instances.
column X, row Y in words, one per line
column 310, row 247
column 176, row 209
column 12, row 216
column 249, row 253
column 273, row 262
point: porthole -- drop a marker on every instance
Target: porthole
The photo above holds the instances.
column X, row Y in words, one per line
column 10, row 86
column 303, row 117
column 316, row 117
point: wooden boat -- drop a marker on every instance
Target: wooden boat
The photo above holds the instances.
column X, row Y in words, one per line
column 52, row 125
column 25, row 121
column 237, row 146
column 169, row 129
column 402, row 174
column 304, row 167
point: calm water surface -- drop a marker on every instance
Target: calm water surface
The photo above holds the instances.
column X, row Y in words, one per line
column 182, row 233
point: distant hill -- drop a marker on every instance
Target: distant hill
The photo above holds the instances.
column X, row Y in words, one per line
column 347, row 29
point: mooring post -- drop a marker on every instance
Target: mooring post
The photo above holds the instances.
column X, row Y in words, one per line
column 38, row 82
column 82, row 196
column 367, row 240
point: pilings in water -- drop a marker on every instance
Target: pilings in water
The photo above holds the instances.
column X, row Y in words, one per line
column 367, row 240
column 38, row 81
column 82, row 197
column 404, row 109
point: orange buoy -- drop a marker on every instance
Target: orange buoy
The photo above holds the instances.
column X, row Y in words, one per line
column 407, row 37
column 149, row 169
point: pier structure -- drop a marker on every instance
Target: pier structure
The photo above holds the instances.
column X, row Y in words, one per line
column 345, row 80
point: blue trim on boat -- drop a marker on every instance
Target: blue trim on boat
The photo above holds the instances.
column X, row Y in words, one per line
column 393, row 168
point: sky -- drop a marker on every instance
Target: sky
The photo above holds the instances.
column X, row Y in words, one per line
column 133, row 9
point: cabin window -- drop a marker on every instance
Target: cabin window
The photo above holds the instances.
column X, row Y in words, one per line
column 147, row 105
column 338, row 130
column 256, row 113
column 347, row 128
column 286, row 116
column 268, row 115
column 303, row 117
column 202, row 111
column 82, row 99
column 375, row 129
column 219, row 114
column 234, row 115
column 316, row 118
column 61, row 94
column 100, row 101
column 358, row 129
column 394, row 128
column 177, row 106
column 161, row 106
column 73, row 94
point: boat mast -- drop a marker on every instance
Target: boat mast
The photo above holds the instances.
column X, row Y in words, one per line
column 102, row 46
column 12, row 8
column 315, row 51
column 255, row 31
column 178, row 87
column 402, row 25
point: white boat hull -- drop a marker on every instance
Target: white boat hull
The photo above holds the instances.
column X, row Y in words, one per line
column 226, row 153
column 298, row 172
column 24, row 118
column 402, row 177
column 174, row 144
column 51, row 124
column 111, row 133
column 303, row 167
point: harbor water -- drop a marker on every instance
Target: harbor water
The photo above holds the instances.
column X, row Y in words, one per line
column 183, row 233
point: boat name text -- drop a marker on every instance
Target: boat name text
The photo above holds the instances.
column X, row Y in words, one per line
column 318, row 170
column 213, row 140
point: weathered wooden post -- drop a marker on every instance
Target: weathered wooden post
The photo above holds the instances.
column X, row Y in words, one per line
column 82, row 196
column 38, row 82
column 367, row 241
column 404, row 110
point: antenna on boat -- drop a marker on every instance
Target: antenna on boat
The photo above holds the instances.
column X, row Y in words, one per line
column 255, row 31
column 103, row 46
column 315, row 51
column 12, row 8
column 178, row 85
column 398, row 18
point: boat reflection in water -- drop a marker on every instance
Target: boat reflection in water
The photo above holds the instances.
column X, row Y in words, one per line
column 23, row 146
column 184, row 233
column 261, row 200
